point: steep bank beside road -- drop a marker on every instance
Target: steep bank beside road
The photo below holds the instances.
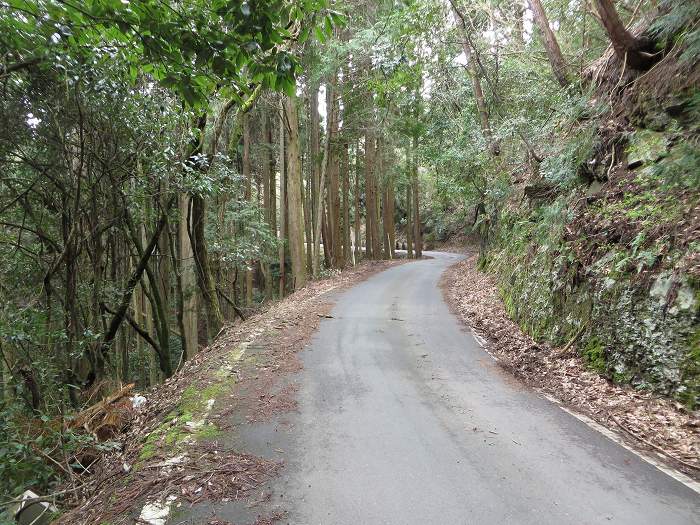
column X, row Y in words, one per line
column 600, row 241
column 663, row 428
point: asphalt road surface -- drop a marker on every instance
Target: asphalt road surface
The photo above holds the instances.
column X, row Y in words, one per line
column 404, row 419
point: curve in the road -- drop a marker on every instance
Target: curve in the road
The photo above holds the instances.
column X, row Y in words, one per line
column 404, row 419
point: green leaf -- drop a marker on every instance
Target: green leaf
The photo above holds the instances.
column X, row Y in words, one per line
column 319, row 35
column 290, row 88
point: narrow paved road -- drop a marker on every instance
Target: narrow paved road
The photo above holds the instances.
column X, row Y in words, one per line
column 404, row 419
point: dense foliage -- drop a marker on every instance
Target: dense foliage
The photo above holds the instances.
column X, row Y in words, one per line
column 166, row 167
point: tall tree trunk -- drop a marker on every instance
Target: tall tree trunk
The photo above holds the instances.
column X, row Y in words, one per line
column 334, row 210
column 307, row 205
column 283, row 203
column 391, row 208
column 139, row 301
column 248, row 194
column 296, row 214
column 320, row 198
column 370, row 197
column 551, row 45
column 409, row 218
column 164, row 275
column 417, row 231
column 345, row 173
column 188, row 279
column 215, row 319
column 388, row 216
column 273, row 190
column 376, row 205
column 315, row 147
column 149, row 309
column 637, row 52
column 357, row 211
column 473, row 72
column 382, row 185
column 391, row 204
column 198, row 214
column 267, row 174
column 325, row 230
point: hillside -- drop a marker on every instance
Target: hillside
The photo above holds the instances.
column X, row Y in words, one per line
column 600, row 245
column 178, row 179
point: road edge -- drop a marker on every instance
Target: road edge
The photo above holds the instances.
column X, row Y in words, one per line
column 662, row 464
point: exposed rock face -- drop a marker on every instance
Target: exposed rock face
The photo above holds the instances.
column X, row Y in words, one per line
column 643, row 334
column 615, row 262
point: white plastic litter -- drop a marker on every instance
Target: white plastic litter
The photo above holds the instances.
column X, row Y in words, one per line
column 156, row 513
column 138, row 401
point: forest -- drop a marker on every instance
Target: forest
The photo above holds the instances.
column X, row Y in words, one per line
column 169, row 169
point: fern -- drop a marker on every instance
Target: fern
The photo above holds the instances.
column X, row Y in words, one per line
column 679, row 24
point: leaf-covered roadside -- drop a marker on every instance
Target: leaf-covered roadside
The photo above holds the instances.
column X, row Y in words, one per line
column 178, row 445
column 660, row 426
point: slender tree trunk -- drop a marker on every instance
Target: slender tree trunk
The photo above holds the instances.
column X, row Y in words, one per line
column 163, row 276
column 585, row 36
column 409, row 219
column 139, row 301
column 370, row 197
column 189, row 279
column 283, row 204
column 382, row 185
column 248, row 194
column 205, row 278
column 307, row 205
column 637, row 52
column 417, row 233
column 473, row 72
column 296, row 215
column 268, row 202
column 273, row 191
column 376, row 205
column 551, row 45
column 320, row 198
column 149, row 309
column 215, row 319
column 357, row 210
column 388, row 218
column 334, row 210
column 174, row 245
column 315, row 147
column 345, row 173
column 391, row 208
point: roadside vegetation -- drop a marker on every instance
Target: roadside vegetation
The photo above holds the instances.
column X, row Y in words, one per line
column 169, row 169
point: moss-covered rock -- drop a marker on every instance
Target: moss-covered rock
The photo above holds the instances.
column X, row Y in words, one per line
column 645, row 146
column 639, row 327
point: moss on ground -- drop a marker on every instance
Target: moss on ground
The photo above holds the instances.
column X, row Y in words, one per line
column 186, row 422
column 593, row 354
column 691, row 372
